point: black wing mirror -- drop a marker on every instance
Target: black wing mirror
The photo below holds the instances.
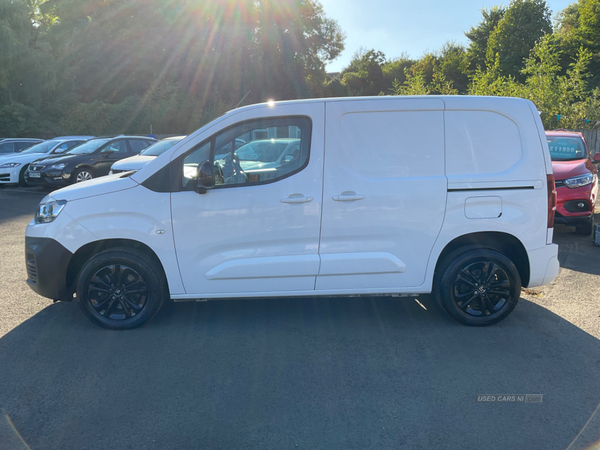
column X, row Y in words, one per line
column 107, row 152
column 205, row 177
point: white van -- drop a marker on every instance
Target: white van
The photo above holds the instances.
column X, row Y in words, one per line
column 384, row 196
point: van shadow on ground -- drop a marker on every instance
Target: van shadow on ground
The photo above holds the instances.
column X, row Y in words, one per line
column 576, row 252
column 356, row 373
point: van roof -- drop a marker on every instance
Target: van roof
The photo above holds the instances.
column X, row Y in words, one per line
column 460, row 101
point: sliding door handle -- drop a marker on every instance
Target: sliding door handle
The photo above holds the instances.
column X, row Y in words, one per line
column 347, row 196
column 296, row 198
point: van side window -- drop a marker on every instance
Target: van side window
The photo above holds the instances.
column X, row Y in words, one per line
column 480, row 142
column 261, row 150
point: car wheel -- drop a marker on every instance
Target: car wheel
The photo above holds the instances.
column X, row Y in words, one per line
column 22, row 181
column 477, row 285
column 121, row 288
column 82, row 175
column 586, row 228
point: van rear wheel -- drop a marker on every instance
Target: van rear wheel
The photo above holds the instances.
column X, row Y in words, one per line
column 477, row 286
column 121, row 288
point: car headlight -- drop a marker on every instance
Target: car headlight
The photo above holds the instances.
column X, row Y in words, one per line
column 9, row 165
column 58, row 166
column 47, row 212
column 581, row 180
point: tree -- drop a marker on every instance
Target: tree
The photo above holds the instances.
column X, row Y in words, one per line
column 364, row 74
column 522, row 25
column 480, row 34
column 578, row 26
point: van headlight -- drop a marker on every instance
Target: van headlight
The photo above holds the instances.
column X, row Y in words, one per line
column 47, row 212
column 581, row 180
column 9, row 165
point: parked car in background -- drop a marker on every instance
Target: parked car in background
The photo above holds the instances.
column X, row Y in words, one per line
column 14, row 165
column 147, row 155
column 85, row 138
column 576, row 178
column 89, row 160
column 16, row 145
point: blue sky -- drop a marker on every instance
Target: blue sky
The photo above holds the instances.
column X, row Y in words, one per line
column 396, row 26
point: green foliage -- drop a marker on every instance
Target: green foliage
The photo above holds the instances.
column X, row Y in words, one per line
column 578, row 26
column 480, row 34
column 104, row 66
column 364, row 75
column 117, row 66
column 553, row 94
column 524, row 22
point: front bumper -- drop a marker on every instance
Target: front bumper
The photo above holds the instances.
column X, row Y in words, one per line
column 56, row 178
column 10, row 175
column 47, row 262
column 573, row 221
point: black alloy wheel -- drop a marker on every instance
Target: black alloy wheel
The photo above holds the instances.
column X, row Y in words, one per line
column 477, row 285
column 481, row 289
column 117, row 292
column 121, row 288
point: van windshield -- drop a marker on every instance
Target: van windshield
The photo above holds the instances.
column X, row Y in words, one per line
column 566, row 148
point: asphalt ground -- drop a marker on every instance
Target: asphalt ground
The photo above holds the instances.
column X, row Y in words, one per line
column 354, row 373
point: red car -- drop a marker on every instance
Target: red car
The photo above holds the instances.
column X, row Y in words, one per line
column 576, row 177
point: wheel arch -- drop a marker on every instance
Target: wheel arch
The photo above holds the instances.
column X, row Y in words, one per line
column 505, row 243
column 85, row 252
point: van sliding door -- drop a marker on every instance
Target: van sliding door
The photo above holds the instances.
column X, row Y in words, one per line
column 384, row 193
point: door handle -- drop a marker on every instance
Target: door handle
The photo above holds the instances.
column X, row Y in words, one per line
column 347, row 196
column 296, row 198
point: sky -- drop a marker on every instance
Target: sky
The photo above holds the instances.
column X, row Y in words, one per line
column 412, row 27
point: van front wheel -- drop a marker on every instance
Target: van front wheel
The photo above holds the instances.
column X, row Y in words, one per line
column 121, row 288
column 478, row 286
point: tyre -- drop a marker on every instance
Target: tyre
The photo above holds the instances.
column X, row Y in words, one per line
column 81, row 175
column 121, row 288
column 477, row 285
column 586, row 228
column 22, row 181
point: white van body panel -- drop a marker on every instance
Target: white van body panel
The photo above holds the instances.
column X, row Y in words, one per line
column 390, row 157
column 139, row 215
column 246, row 239
column 391, row 181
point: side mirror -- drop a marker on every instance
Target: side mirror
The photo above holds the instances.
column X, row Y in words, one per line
column 205, row 177
column 106, row 152
column 597, row 158
column 288, row 158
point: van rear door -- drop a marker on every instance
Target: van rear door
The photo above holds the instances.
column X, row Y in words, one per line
column 384, row 193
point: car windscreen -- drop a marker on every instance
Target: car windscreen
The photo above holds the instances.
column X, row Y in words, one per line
column 42, row 147
column 87, row 147
column 566, row 148
column 262, row 151
column 160, row 147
